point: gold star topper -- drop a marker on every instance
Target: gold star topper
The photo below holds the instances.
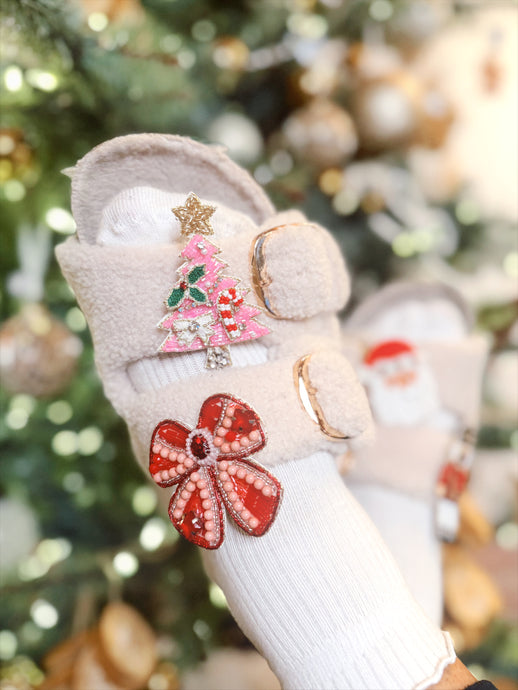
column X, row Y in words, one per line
column 194, row 216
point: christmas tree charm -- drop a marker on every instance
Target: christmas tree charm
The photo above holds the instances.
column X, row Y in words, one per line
column 209, row 467
column 207, row 310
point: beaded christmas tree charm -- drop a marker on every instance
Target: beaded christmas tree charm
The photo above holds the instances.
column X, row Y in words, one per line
column 208, row 309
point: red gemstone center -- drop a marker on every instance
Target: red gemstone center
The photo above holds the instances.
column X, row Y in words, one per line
column 200, row 447
column 183, row 285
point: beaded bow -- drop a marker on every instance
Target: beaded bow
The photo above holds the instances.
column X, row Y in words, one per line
column 210, row 469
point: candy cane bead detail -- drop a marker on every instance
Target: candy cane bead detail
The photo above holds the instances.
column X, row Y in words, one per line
column 228, row 302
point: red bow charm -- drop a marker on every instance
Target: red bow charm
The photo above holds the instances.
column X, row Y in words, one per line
column 209, row 467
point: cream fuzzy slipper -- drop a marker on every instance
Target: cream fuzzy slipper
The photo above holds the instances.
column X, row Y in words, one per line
column 235, row 398
column 423, row 371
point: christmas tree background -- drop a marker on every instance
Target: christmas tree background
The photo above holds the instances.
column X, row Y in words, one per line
column 389, row 122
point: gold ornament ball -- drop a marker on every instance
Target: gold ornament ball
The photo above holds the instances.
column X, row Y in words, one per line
column 38, row 354
column 321, row 133
column 16, row 156
column 435, row 118
column 386, row 111
column 128, row 645
column 230, row 53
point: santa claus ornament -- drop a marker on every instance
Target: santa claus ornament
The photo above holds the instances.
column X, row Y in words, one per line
column 422, row 372
column 401, row 385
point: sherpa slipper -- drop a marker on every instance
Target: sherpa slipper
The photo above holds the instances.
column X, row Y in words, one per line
column 423, row 371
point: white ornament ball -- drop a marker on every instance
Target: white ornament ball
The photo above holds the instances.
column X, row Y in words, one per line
column 386, row 111
column 39, row 354
column 239, row 135
column 19, row 532
column 321, row 133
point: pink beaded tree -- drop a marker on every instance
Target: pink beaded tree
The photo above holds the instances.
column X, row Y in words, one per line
column 208, row 311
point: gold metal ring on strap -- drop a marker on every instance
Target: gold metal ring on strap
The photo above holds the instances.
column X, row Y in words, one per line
column 308, row 398
column 260, row 278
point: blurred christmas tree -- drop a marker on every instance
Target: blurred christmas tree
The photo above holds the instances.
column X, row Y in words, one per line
column 390, row 122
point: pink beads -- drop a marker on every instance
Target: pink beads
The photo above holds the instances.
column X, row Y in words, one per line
column 255, row 435
column 250, row 478
column 253, row 522
column 238, row 506
column 188, row 462
column 232, row 497
column 177, row 513
column 157, row 477
column 232, row 470
column 165, row 475
column 208, row 515
column 173, row 455
column 228, row 486
column 195, row 477
column 235, row 445
column 180, row 469
column 241, row 473
column 227, row 423
column 258, row 484
column 245, row 514
column 245, row 441
column 164, row 452
column 206, row 504
column 225, row 447
column 221, row 431
column 204, row 493
column 209, row 525
column 218, row 441
column 223, row 476
column 267, row 490
column 210, row 536
column 190, row 486
column 156, row 448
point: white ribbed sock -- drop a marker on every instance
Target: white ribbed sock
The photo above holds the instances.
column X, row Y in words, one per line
column 320, row 595
column 407, row 526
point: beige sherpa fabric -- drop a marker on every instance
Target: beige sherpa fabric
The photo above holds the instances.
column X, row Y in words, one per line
column 162, row 161
column 121, row 288
column 316, row 283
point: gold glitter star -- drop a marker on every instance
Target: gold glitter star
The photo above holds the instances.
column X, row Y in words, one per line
column 194, row 216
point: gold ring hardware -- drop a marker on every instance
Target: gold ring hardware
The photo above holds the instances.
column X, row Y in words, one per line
column 260, row 278
column 308, row 399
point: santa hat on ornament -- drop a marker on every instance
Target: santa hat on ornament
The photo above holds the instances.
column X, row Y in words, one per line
column 387, row 351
